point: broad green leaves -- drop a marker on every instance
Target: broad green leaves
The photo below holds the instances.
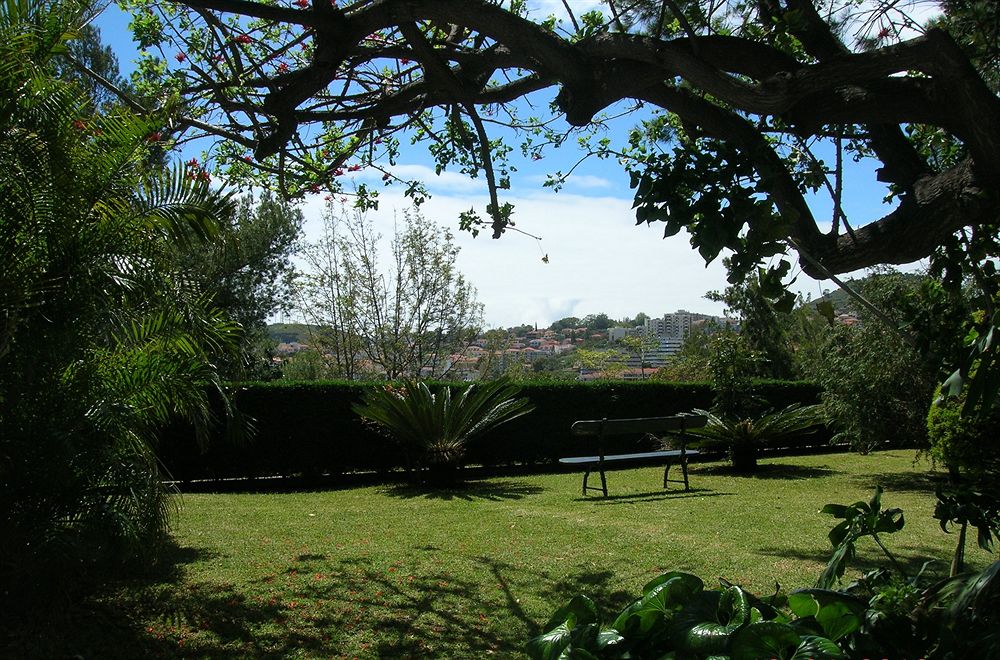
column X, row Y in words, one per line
column 676, row 617
column 859, row 520
column 439, row 424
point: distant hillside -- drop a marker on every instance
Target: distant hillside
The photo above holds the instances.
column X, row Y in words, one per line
column 289, row 332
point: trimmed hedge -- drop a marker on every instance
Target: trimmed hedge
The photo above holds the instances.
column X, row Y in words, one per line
column 309, row 429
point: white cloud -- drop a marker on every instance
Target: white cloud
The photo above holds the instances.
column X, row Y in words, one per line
column 581, row 182
column 598, row 260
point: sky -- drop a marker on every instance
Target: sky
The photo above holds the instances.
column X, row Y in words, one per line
column 598, row 259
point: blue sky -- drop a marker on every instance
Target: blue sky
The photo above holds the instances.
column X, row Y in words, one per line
column 598, row 260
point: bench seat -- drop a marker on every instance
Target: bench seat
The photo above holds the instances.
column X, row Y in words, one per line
column 675, row 424
column 651, row 457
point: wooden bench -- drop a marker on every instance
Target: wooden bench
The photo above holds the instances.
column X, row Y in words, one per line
column 675, row 424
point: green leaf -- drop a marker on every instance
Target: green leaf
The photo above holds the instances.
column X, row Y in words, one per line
column 817, row 648
column 578, row 618
column 662, row 597
column 835, row 567
column 766, row 639
column 826, row 310
column 838, row 614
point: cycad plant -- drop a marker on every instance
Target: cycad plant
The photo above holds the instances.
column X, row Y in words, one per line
column 744, row 436
column 100, row 341
column 435, row 427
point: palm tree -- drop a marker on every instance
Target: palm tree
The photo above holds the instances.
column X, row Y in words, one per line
column 437, row 426
column 744, row 436
column 100, row 344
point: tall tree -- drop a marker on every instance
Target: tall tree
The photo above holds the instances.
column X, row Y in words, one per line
column 247, row 271
column 405, row 320
column 99, row 344
column 764, row 327
column 749, row 89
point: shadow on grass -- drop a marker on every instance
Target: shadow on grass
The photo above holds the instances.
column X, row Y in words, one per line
column 651, row 496
column 594, row 584
column 869, row 558
column 104, row 622
column 495, row 490
column 770, row 471
column 915, row 481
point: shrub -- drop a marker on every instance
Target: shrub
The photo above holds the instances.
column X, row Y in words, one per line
column 436, row 426
column 309, row 428
column 884, row 614
column 965, row 445
column 744, row 436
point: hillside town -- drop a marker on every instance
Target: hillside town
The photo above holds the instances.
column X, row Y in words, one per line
column 554, row 349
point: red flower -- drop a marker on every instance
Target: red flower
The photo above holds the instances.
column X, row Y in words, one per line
column 193, row 163
column 338, row 172
column 354, row 168
column 282, row 68
column 403, row 60
column 243, row 39
column 247, row 159
column 79, row 125
column 883, row 33
column 314, row 188
column 204, row 176
column 327, row 198
column 301, row 4
column 180, row 57
column 155, row 136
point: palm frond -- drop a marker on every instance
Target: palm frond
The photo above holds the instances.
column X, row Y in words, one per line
column 445, row 421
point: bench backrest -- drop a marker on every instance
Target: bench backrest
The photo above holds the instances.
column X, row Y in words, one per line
column 602, row 427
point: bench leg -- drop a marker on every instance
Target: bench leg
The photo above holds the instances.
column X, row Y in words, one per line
column 585, row 475
column 604, row 483
column 684, row 472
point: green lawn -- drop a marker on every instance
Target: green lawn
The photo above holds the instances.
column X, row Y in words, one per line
column 392, row 571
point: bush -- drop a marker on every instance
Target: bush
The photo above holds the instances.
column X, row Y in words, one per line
column 309, row 428
column 436, row 427
column 886, row 613
column 965, row 445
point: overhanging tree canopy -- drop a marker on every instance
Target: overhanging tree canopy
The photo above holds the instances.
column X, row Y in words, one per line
column 299, row 90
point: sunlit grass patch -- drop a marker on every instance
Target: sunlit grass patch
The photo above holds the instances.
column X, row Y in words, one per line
column 394, row 571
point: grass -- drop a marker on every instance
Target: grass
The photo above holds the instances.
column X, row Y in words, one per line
column 394, row 571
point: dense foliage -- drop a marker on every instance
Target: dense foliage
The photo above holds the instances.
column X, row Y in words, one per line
column 100, row 345
column 246, row 272
column 433, row 429
column 879, row 374
column 885, row 614
column 309, row 428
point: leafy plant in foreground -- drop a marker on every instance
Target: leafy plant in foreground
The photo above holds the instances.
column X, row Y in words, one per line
column 437, row 426
column 964, row 507
column 102, row 341
column 859, row 520
column 880, row 615
column 678, row 617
